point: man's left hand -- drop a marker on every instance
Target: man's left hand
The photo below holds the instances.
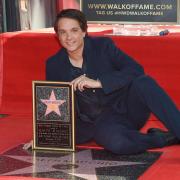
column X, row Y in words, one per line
column 82, row 82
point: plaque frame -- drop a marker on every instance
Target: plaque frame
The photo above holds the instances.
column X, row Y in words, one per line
column 53, row 116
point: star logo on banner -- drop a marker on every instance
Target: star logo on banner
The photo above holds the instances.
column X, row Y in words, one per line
column 80, row 164
column 53, row 104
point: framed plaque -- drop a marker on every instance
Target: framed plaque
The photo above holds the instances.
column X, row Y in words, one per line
column 53, row 116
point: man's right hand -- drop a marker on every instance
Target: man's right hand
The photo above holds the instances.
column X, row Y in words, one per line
column 28, row 145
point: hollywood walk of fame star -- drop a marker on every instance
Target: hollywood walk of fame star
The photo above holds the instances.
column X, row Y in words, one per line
column 80, row 164
column 53, row 104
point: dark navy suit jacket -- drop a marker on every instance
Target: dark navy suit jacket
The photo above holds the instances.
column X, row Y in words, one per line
column 104, row 61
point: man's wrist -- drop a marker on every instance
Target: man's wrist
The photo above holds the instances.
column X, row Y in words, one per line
column 99, row 85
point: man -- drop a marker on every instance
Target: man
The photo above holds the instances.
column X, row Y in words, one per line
column 114, row 97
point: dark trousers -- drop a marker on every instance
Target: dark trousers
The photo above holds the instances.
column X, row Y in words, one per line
column 120, row 134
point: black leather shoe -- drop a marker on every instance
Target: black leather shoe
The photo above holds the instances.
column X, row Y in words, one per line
column 168, row 136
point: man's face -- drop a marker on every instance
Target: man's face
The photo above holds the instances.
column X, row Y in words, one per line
column 70, row 34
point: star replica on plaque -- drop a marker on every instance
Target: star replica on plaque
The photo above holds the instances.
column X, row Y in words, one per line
column 53, row 116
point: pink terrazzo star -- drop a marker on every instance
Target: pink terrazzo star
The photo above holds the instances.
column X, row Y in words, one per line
column 53, row 104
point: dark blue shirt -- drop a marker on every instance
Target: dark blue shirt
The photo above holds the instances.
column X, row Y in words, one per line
column 88, row 103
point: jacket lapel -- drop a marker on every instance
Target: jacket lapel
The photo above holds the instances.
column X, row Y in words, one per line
column 89, row 59
column 65, row 72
